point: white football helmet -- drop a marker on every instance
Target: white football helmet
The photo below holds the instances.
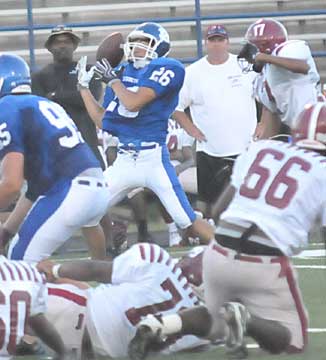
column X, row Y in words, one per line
column 158, row 43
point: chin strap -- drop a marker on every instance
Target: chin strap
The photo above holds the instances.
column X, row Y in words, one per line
column 140, row 63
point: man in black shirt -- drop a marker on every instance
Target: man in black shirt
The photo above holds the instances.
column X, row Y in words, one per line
column 58, row 82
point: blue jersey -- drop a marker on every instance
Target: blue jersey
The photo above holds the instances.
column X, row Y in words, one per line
column 40, row 129
column 165, row 76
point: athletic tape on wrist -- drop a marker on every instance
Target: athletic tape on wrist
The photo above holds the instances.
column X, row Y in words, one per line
column 55, row 271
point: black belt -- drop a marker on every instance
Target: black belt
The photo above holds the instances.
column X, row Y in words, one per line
column 248, row 247
column 89, row 183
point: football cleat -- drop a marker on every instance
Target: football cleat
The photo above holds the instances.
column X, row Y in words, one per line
column 147, row 338
column 236, row 317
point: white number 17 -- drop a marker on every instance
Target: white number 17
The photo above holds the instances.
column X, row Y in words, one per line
column 259, row 29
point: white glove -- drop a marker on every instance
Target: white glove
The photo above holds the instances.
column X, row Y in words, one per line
column 84, row 76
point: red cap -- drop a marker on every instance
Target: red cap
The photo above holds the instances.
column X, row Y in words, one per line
column 216, row 30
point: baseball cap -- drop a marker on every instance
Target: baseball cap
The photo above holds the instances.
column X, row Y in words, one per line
column 59, row 30
column 216, row 30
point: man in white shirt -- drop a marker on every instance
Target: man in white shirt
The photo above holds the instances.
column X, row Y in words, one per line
column 289, row 75
column 222, row 106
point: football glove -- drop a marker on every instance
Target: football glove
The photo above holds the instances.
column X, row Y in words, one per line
column 84, row 76
column 248, row 52
column 104, row 72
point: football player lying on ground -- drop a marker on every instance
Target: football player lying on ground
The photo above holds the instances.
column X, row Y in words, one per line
column 23, row 303
column 141, row 281
column 277, row 192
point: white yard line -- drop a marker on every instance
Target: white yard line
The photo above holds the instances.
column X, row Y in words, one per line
column 316, row 331
column 314, row 267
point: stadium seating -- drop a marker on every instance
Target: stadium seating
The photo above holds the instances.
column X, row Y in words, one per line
column 183, row 33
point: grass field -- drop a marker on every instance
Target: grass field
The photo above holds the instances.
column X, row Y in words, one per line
column 311, row 266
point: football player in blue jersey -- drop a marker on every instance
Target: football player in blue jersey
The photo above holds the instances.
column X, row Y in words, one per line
column 140, row 96
column 41, row 144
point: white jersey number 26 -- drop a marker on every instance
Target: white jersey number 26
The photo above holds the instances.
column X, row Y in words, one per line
column 162, row 76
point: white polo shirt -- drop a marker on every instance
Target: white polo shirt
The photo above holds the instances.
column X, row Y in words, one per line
column 222, row 105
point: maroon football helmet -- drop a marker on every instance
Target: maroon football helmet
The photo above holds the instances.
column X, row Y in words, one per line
column 266, row 34
column 310, row 131
column 192, row 268
column 192, row 265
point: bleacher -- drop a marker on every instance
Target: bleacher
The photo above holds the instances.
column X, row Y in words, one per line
column 113, row 16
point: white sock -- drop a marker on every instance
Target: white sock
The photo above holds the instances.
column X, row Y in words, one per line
column 172, row 227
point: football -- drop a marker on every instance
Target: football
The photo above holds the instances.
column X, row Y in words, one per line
column 111, row 49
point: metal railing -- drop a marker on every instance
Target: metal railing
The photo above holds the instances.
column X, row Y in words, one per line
column 197, row 18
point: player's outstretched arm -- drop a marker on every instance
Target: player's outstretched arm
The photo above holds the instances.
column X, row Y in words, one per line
column 83, row 270
column 295, row 65
column 48, row 334
column 94, row 109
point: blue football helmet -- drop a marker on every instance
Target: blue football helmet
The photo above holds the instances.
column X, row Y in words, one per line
column 158, row 43
column 14, row 75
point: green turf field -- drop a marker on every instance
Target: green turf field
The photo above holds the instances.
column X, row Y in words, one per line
column 312, row 274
